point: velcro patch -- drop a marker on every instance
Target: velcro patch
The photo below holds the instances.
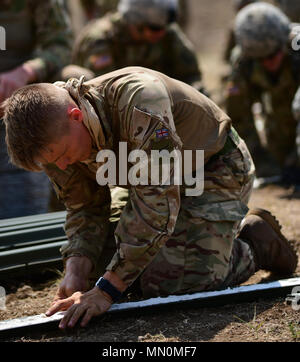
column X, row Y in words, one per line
column 162, row 133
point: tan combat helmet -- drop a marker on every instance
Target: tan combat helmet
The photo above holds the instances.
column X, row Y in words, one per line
column 261, row 29
column 153, row 12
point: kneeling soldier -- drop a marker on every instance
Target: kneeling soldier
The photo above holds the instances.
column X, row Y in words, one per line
column 167, row 241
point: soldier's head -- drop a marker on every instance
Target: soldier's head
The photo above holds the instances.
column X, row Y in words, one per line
column 239, row 4
column 262, row 31
column 148, row 19
column 291, row 8
column 44, row 125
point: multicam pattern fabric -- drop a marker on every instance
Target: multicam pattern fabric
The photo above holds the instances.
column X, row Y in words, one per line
column 261, row 29
column 37, row 32
column 106, row 45
column 203, row 253
column 174, row 243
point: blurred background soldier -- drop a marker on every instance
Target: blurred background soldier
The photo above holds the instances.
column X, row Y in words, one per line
column 291, row 8
column 141, row 32
column 38, row 46
column 38, row 42
column 266, row 69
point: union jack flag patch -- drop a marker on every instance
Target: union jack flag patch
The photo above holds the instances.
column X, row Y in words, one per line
column 162, row 133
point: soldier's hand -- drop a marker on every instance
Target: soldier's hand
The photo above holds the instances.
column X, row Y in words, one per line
column 70, row 284
column 85, row 305
column 15, row 79
column 77, row 272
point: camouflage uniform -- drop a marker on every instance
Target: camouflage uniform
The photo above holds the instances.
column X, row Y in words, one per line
column 250, row 82
column 173, row 242
column 105, row 45
column 37, row 33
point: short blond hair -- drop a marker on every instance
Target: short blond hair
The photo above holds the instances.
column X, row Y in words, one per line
column 33, row 117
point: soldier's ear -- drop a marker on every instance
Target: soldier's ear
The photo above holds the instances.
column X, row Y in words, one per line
column 75, row 113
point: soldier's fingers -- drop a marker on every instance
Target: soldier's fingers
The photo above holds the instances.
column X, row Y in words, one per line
column 75, row 313
column 59, row 305
column 88, row 316
column 60, row 294
column 65, row 320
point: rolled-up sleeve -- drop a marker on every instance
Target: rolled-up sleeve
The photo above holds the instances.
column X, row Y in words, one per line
column 88, row 211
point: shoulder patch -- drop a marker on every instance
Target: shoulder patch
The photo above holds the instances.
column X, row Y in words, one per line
column 162, row 133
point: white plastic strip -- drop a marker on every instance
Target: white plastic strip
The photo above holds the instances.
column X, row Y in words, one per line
column 40, row 319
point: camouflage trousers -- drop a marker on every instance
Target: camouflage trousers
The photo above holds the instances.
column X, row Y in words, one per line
column 203, row 252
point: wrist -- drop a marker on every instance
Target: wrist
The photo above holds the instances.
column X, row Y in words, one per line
column 115, row 280
column 108, row 289
column 104, row 294
column 78, row 265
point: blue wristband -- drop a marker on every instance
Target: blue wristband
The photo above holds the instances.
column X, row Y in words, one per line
column 107, row 287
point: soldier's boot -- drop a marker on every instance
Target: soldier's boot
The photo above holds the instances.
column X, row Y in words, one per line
column 271, row 250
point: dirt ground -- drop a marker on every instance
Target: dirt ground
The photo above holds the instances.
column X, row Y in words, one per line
column 268, row 320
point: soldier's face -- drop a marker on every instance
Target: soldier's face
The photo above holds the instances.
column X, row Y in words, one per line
column 273, row 63
column 152, row 34
column 73, row 146
column 149, row 34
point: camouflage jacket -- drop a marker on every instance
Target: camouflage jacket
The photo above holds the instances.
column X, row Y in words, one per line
column 133, row 105
column 249, row 82
column 105, row 45
column 37, row 32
